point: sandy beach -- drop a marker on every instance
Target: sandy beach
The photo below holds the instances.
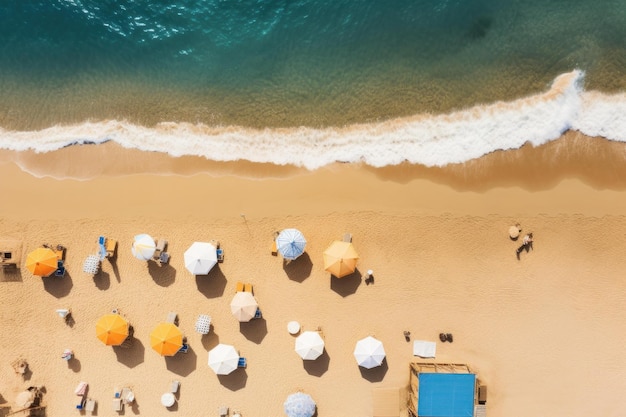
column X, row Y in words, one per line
column 545, row 333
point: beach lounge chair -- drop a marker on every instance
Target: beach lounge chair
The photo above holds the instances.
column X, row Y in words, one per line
column 240, row 287
column 81, row 404
column 174, row 386
column 274, row 248
column 160, row 248
column 81, row 389
column 223, row 411
column 90, row 405
column 172, row 317
column 482, row 394
column 347, row 237
column 257, row 314
column 164, row 258
column 118, row 405
column 184, row 348
column 220, row 255
column 247, row 288
column 60, row 271
column 242, row 362
column 127, row 395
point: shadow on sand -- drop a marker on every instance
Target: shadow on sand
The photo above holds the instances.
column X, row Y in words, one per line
column 131, row 355
column 182, row 363
column 213, row 284
column 58, row 286
column 299, row 269
column 376, row 374
column 255, row 330
column 163, row 275
column 319, row 366
column 234, row 381
column 347, row 285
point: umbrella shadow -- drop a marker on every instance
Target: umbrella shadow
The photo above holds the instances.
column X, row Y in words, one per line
column 182, row 363
column 74, row 364
column 11, row 275
column 58, row 287
column 347, row 285
column 317, row 367
column 234, row 381
column 210, row 340
column 299, row 269
column 163, row 275
column 376, row 374
column 130, row 354
column 213, row 284
column 102, row 280
column 255, row 330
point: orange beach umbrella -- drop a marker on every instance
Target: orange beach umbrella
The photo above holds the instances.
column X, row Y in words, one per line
column 340, row 258
column 112, row 329
column 42, row 262
column 166, row 339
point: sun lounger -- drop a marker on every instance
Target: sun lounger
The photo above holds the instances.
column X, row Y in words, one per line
column 60, row 251
column 174, row 386
column 257, row 314
column 482, row 394
column 220, row 255
column 60, row 271
column 90, row 405
column 110, row 246
column 164, row 258
column 127, row 395
column 247, row 288
column 240, row 287
column 274, row 248
column 184, row 348
column 172, row 317
column 118, row 405
column 347, row 237
column 223, row 410
column 160, row 247
column 81, row 389
column 81, row 404
column 242, row 363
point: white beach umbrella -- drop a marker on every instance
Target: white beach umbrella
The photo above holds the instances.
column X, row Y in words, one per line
column 143, row 247
column 309, row 345
column 244, row 306
column 299, row 405
column 290, row 243
column 223, row 359
column 92, row 264
column 200, row 258
column 369, row 352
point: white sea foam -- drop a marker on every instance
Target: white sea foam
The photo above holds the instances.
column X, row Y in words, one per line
column 431, row 140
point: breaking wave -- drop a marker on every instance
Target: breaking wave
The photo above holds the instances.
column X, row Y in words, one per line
column 430, row 140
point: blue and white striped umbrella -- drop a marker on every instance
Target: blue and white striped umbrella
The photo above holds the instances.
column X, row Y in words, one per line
column 290, row 244
column 299, row 405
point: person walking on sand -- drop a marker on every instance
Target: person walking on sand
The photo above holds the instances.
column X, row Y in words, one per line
column 527, row 244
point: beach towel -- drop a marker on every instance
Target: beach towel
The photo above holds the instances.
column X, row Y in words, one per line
column 424, row 349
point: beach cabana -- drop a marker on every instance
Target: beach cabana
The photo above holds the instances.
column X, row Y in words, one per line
column 112, row 329
column 244, row 306
column 200, row 258
column 299, row 405
column 223, row 359
column 143, row 247
column 369, row 352
column 438, row 389
column 340, row 258
column 309, row 345
column 290, row 244
column 42, row 262
column 166, row 339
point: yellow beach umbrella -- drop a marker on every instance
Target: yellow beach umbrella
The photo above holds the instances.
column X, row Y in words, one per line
column 166, row 339
column 112, row 329
column 340, row 258
column 42, row 262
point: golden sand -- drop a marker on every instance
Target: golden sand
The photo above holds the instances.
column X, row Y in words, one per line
column 545, row 333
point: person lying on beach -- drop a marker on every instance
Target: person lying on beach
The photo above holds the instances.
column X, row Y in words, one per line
column 527, row 244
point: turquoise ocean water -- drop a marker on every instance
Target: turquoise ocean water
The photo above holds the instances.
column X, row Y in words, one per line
column 311, row 82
